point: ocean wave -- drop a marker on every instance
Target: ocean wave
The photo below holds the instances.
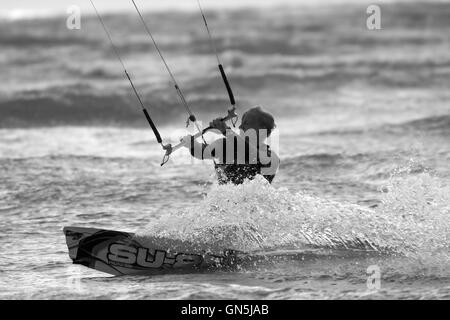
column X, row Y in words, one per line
column 332, row 160
column 83, row 105
column 61, row 158
column 439, row 124
column 350, row 172
column 434, row 124
column 97, row 72
column 45, row 110
column 44, row 40
column 320, row 160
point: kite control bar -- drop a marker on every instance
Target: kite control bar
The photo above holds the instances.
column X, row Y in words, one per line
column 170, row 149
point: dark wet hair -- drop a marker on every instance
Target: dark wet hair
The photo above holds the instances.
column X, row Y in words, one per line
column 267, row 119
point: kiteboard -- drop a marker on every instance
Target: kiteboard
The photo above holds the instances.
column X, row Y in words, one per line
column 122, row 253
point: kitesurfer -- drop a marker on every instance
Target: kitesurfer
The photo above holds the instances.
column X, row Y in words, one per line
column 242, row 156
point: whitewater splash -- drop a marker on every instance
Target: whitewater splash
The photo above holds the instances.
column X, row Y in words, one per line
column 412, row 220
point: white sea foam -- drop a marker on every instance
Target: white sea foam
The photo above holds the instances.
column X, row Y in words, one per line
column 413, row 219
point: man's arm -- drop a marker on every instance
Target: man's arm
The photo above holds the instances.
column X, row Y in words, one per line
column 202, row 151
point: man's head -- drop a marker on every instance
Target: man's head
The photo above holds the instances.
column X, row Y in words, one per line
column 257, row 119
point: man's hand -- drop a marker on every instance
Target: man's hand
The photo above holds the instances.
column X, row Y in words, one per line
column 220, row 125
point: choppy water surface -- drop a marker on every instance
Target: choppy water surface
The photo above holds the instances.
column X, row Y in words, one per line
column 364, row 127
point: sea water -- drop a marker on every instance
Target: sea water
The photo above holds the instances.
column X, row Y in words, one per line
column 363, row 127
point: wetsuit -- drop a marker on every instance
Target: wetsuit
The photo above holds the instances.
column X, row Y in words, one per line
column 235, row 171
